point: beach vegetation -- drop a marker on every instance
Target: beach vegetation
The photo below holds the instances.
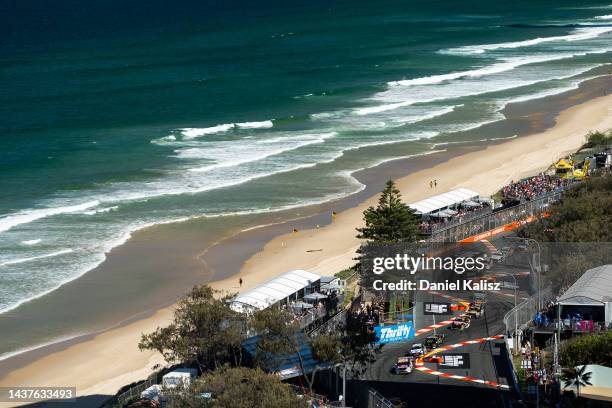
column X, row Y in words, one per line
column 238, row 387
column 345, row 273
column 587, row 350
column 576, row 376
column 583, row 215
column 598, row 139
column 204, row 332
column 391, row 221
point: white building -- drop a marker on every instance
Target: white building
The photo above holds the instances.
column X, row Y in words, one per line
column 590, row 295
column 282, row 289
column 442, row 205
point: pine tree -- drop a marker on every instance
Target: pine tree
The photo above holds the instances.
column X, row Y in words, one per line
column 391, row 221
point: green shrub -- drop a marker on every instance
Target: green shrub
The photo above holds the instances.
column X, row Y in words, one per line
column 595, row 349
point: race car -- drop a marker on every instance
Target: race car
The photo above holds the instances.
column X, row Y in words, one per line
column 417, row 350
column 460, row 323
column 433, row 342
column 477, row 305
column 474, row 313
column 404, row 365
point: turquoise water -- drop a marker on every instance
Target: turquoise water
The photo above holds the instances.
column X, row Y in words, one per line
column 117, row 116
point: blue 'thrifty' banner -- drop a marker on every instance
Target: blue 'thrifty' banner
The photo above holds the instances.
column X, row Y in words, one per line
column 394, row 333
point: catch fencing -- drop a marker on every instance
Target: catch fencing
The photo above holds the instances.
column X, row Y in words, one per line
column 521, row 315
column 455, row 231
column 375, row 400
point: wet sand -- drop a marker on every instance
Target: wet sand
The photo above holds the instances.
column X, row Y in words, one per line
column 158, row 264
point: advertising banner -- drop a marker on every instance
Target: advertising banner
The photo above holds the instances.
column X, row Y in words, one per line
column 455, row 360
column 394, row 333
column 436, row 308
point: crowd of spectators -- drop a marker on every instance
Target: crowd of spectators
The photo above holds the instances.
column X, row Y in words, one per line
column 538, row 376
column 463, row 213
column 531, row 187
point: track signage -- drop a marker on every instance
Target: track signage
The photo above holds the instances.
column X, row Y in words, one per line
column 394, row 333
column 436, row 308
column 455, row 360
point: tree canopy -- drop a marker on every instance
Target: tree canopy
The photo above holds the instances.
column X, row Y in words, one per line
column 578, row 226
column 587, row 350
column 238, row 387
column 204, row 331
column 598, row 139
column 351, row 344
column 391, row 221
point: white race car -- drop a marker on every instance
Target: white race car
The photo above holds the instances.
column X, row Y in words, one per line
column 460, row 323
column 417, row 350
column 404, row 365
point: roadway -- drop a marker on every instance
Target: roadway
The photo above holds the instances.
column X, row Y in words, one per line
column 420, row 389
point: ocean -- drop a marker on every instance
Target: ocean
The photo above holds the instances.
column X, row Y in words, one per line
column 115, row 116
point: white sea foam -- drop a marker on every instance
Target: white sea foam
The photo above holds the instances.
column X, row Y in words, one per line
column 579, row 34
column 255, row 125
column 31, row 241
column 505, row 65
column 477, row 81
column 27, row 216
column 548, row 92
column 473, row 141
column 606, row 17
column 33, row 258
column 383, row 108
column 101, row 210
column 164, row 140
column 191, row 133
column 229, row 154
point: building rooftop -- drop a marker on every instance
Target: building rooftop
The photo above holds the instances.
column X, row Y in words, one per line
column 441, row 201
column 277, row 289
column 593, row 287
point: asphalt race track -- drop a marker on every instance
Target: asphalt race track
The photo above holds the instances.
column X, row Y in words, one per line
column 420, row 389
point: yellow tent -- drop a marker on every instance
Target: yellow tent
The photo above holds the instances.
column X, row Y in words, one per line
column 564, row 165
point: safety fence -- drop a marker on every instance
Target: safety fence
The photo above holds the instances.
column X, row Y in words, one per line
column 457, row 220
column 332, row 325
column 523, row 313
column 456, row 232
column 315, row 400
column 132, row 394
column 376, row 400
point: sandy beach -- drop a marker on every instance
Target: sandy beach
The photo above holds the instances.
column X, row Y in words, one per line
column 102, row 364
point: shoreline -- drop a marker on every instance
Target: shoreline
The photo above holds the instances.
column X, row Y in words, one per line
column 339, row 246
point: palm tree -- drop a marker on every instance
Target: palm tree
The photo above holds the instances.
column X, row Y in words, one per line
column 576, row 376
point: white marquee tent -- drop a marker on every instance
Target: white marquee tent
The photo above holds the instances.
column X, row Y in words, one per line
column 285, row 286
column 593, row 288
column 444, row 201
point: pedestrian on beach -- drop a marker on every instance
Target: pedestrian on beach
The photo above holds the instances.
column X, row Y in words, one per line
column 430, row 183
column 435, row 182
column 240, row 282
